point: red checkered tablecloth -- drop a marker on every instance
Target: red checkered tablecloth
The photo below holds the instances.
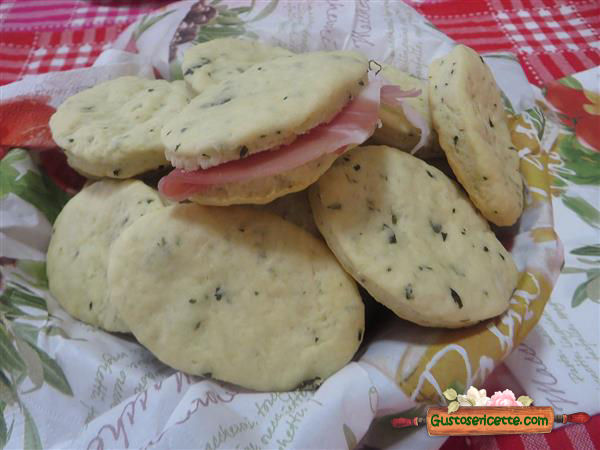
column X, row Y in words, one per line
column 38, row 36
column 551, row 39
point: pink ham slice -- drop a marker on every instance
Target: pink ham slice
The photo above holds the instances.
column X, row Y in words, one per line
column 351, row 127
column 393, row 94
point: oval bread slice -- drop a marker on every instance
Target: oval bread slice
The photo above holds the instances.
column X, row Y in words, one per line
column 294, row 208
column 410, row 236
column 219, row 59
column 396, row 130
column 469, row 117
column 267, row 106
column 82, row 235
column 265, row 189
column 237, row 294
column 113, row 129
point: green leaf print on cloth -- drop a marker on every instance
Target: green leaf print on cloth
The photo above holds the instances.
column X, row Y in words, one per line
column 585, row 210
column 31, row 437
column 350, row 437
column 24, row 366
column 34, row 273
column 21, row 357
column 538, row 119
column 147, row 22
column 590, row 288
column 588, row 250
column 20, row 176
column 580, row 165
column 571, row 82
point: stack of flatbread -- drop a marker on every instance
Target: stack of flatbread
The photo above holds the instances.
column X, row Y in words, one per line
column 287, row 179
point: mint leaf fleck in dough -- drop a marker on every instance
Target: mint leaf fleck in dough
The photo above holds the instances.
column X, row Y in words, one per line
column 392, row 236
column 456, row 298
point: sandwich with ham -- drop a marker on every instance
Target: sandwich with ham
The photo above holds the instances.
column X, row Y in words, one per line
column 273, row 129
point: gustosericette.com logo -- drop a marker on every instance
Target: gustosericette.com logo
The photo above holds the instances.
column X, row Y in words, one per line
column 474, row 413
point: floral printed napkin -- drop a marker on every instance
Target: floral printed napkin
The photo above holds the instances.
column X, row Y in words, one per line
column 111, row 392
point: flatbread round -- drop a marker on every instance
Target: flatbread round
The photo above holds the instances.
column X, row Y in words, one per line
column 265, row 189
column 468, row 114
column 211, row 62
column 82, row 235
column 294, row 208
column 410, row 236
column 268, row 105
column 244, row 296
column 396, row 130
column 113, row 129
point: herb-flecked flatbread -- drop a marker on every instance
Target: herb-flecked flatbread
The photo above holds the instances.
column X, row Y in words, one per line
column 219, row 59
column 410, row 237
column 113, row 129
column 396, row 129
column 245, row 296
column 267, row 106
column 259, row 191
column 294, row 208
column 82, row 236
column 468, row 114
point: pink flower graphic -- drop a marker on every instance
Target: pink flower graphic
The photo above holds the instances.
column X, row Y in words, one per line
column 505, row 398
column 478, row 397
